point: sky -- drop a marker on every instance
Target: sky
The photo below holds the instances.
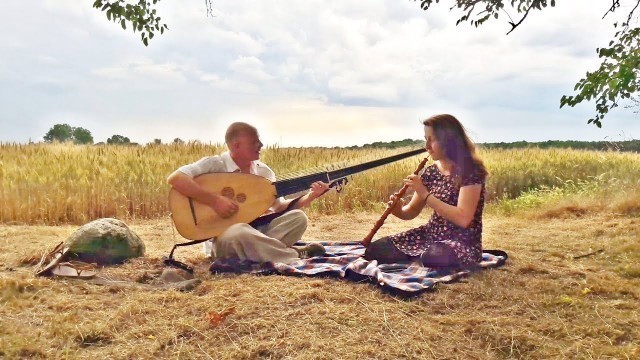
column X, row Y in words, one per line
column 304, row 72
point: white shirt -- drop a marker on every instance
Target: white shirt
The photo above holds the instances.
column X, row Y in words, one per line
column 223, row 163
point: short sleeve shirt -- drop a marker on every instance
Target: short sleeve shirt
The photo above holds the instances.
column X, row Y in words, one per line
column 223, row 163
column 466, row 242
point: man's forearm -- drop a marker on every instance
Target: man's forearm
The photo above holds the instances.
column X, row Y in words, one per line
column 189, row 188
column 305, row 200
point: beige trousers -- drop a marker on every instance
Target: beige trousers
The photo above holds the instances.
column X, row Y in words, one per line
column 270, row 242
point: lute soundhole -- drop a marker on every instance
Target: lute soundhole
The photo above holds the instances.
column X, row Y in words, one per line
column 228, row 192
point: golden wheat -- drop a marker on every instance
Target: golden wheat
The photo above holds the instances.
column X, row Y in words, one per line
column 65, row 183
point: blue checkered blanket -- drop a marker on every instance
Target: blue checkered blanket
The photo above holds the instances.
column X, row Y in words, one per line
column 344, row 260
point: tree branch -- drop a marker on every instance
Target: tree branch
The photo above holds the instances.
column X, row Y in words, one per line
column 209, row 6
column 514, row 26
column 612, row 9
column 631, row 13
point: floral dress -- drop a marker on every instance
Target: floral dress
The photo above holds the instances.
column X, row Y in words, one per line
column 465, row 242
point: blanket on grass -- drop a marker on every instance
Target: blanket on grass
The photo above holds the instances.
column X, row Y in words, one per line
column 344, row 260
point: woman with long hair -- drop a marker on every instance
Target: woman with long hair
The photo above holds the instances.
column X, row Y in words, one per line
column 453, row 186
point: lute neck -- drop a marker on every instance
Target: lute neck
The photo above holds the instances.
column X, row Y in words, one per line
column 292, row 186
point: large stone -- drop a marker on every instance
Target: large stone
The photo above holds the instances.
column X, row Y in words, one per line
column 105, row 241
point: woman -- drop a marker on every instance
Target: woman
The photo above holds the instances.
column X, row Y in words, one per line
column 453, row 186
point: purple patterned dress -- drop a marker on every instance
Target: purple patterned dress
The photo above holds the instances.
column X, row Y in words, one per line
column 465, row 242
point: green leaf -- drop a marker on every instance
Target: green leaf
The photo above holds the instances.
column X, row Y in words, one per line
column 123, row 23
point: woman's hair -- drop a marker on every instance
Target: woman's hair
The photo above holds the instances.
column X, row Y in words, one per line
column 236, row 129
column 457, row 146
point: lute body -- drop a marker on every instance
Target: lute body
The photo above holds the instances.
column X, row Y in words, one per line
column 196, row 221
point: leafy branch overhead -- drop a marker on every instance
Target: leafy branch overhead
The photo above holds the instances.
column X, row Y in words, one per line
column 616, row 78
column 140, row 16
column 487, row 9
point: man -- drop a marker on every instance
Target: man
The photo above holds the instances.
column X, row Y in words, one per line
column 271, row 242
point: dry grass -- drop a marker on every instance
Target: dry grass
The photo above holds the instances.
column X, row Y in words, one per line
column 543, row 304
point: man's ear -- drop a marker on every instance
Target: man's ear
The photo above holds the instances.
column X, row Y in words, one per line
column 233, row 144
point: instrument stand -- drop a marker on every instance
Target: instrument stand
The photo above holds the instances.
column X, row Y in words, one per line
column 170, row 261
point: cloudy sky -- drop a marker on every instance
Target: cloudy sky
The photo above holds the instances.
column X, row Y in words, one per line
column 305, row 72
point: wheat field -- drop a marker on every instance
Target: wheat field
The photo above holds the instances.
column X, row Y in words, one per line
column 72, row 184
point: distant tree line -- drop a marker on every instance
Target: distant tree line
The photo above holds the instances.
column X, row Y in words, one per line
column 64, row 132
column 629, row 145
column 389, row 144
column 78, row 135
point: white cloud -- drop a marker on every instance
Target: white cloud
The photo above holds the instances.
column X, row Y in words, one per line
column 250, row 67
column 144, row 69
column 308, row 72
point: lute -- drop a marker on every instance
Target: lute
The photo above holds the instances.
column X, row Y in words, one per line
column 253, row 194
